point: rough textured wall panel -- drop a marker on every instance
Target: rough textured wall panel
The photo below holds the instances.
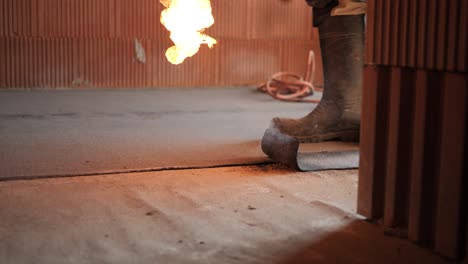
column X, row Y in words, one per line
column 413, row 171
column 94, row 43
column 427, row 34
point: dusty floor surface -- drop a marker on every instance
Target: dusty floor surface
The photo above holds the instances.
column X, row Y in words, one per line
column 259, row 214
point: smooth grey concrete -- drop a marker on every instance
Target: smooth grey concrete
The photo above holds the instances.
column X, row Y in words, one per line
column 263, row 214
column 74, row 132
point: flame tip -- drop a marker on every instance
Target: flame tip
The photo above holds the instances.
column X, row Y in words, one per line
column 187, row 20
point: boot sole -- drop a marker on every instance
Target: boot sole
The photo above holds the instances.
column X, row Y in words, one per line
column 346, row 136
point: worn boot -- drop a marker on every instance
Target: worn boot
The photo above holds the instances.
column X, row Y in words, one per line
column 337, row 116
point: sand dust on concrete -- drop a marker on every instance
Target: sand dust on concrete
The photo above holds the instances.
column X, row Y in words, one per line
column 257, row 214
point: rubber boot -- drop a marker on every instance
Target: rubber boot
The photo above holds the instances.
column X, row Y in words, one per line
column 337, row 116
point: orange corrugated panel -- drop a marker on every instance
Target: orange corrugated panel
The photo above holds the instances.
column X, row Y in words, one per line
column 26, row 62
column 271, row 21
column 102, row 18
column 126, row 18
column 55, row 18
column 462, row 54
column 452, row 27
column 25, row 18
column 74, row 44
column 418, row 229
column 88, row 66
column 370, row 32
column 94, row 61
column 392, row 206
column 15, row 61
column 34, row 62
column 386, row 44
column 63, row 66
column 62, row 19
column 74, row 59
column 100, row 15
column 47, row 63
column 31, row 62
column 136, row 65
column 40, row 18
column 38, row 62
column 55, row 70
column 122, row 67
column 395, row 34
column 422, row 34
column 109, row 48
column 154, row 62
column 48, row 16
column 79, row 53
column 34, row 18
column 378, row 36
column 230, row 20
column 66, row 22
column 70, row 61
column 412, row 32
column 13, row 17
column 441, row 46
column 432, row 34
column 100, row 62
column 248, row 62
column 85, row 19
column 4, row 62
column 111, row 15
column 28, row 65
column 18, row 18
column 125, row 62
column 77, row 19
column 3, row 18
column 21, row 62
column 97, row 61
column 92, row 22
column 51, row 54
column 116, row 64
column 295, row 55
column 403, row 18
column 449, row 212
column 108, row 63
column 117, row 19
column 113, row 79
column 8, row 67
column 127, row 52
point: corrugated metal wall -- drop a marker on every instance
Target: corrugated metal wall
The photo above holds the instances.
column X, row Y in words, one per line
column 73, row 43
column 414, row 124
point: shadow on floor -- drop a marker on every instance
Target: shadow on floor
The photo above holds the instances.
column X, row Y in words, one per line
column 361, row 242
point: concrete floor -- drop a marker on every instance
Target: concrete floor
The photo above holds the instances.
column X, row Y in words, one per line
column 260, row 214
column 241, row 214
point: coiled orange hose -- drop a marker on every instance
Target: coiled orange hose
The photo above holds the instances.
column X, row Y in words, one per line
column 291, row 87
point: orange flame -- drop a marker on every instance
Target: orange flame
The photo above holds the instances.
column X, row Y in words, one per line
column 186, row 20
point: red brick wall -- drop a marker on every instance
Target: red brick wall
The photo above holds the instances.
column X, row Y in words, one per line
column 91, row 43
